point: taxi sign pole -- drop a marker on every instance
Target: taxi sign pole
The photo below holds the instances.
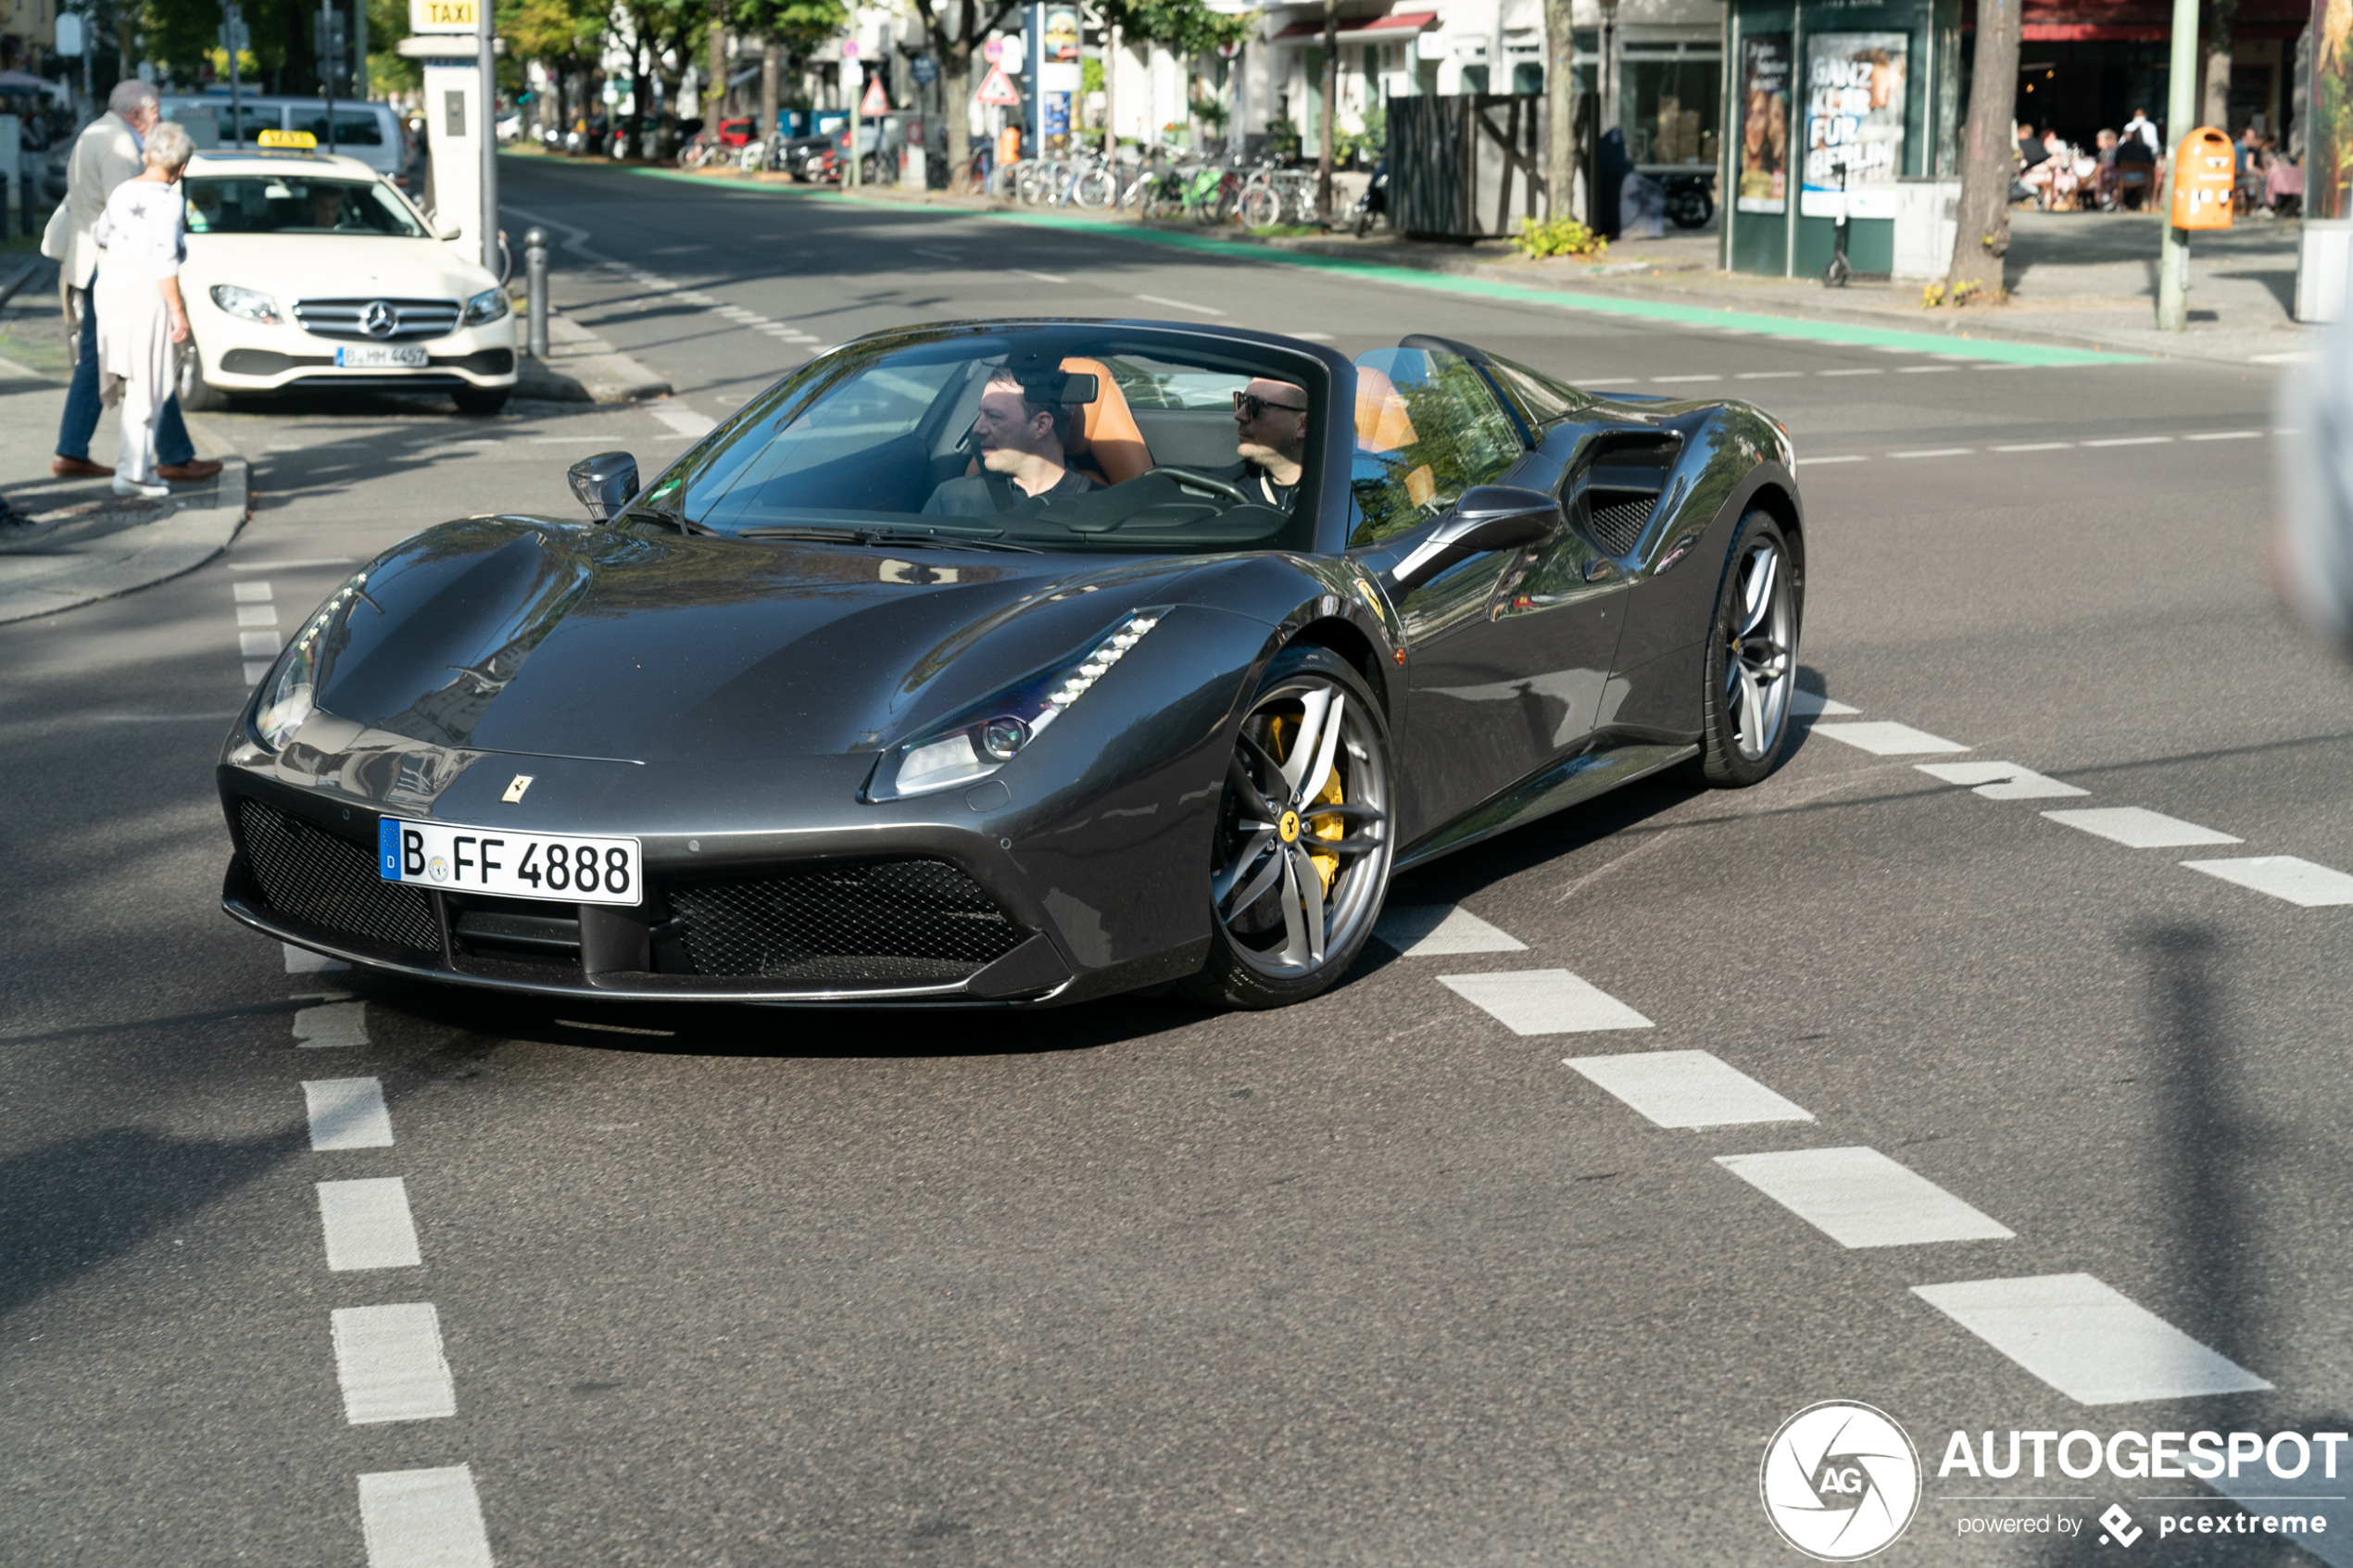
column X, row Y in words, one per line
column 2173, row 260
column 485, row 63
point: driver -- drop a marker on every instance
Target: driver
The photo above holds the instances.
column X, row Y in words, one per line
column 1270, row 431
column 326, row 207
column 1022, row 442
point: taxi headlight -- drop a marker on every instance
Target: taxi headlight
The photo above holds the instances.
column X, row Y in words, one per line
column 487, row 305
column 288, row 694
column 251, row 304
column 993, row 732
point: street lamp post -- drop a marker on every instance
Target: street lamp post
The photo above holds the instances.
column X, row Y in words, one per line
column 1607, row 74
column 486, row 65
column 2173, row 256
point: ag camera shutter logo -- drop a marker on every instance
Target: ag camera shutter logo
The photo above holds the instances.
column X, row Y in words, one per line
column 1841, row 1481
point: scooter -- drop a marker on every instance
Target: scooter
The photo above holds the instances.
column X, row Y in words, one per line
column 1373, row 204
column 1835, row 275
column 1688, row 205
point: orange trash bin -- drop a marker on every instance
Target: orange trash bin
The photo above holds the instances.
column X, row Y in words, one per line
column 2205, row 173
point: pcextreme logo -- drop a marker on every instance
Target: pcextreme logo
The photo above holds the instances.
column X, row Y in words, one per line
column 1841, row 1481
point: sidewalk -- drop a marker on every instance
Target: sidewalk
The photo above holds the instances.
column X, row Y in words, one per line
column 87, row 541
column 2079, row 281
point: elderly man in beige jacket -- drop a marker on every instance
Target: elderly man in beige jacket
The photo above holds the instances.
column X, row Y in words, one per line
column 106, row 153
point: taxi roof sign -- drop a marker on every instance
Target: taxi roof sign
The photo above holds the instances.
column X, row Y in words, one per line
column 302, row 139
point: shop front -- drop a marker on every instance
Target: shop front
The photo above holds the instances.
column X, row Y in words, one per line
column 1835, row 107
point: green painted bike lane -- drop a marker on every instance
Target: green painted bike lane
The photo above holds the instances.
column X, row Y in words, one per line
column 1798, row 329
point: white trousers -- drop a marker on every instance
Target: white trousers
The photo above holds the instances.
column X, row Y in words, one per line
column 137, row 362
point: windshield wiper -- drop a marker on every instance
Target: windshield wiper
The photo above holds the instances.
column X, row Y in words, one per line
column 885, row 536
column 670, row 514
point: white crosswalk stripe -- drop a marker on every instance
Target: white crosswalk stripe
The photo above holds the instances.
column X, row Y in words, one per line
column 2284, row 876
column 1860, row 1198
column 2090, row 1342
column 1687, row 1089
column 1545, row 1001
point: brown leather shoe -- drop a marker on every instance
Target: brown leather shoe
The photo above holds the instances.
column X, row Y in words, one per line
column 79, row 468
column 189, row 472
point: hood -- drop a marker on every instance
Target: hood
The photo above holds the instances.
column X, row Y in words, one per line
column 299, row 266
column 579, row 640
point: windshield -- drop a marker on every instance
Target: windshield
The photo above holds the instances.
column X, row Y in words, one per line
column 296, row 204
column 1050, row 438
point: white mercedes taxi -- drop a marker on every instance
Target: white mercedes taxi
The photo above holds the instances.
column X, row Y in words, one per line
column 306, row 272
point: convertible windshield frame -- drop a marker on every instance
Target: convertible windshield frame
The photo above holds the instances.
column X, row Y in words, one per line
column 897, row 407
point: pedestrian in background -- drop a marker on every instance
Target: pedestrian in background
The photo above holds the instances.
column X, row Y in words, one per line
column 105, row 154
column 140, row 314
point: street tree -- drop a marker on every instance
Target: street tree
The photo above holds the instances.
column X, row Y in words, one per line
column 566, row 37
column 1981, row 235
column 2221, row 37
column 789, row 29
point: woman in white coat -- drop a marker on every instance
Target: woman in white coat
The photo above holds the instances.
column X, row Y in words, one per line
column 141, row 315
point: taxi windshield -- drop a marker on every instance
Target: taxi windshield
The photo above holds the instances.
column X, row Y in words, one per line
column 1076, row 437
column 296, row 204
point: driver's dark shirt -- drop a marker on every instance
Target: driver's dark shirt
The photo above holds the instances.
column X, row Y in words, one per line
column 969, row 497
column 1257, row 484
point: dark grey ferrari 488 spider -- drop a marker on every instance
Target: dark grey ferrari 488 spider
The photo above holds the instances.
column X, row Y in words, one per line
column 1020, row 662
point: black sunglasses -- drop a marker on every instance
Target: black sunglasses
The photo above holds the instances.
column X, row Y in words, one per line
column 1250, row 406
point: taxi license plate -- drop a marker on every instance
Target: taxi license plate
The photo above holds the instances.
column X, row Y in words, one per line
column 556, row 867
column 378, row 357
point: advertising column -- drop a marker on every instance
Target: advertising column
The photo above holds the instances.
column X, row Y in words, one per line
column 2324, row 249
column 1058, row 76
column 1854, row 123
column 1760, row 152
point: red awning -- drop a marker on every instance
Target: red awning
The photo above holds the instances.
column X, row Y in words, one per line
column 1362, row 30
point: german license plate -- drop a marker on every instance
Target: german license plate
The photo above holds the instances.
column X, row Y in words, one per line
column 377, row 357
column 556, row 867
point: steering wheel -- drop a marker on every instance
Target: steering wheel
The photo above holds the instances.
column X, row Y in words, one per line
column 1206, row 482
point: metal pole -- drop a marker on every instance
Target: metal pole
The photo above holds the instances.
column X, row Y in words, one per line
column 236, row 20
column 487, row 70
column 326, row 68
column 2174, row 258
column 534, row 266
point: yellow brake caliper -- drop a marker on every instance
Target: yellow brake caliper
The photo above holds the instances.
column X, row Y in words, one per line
column 1326, row 866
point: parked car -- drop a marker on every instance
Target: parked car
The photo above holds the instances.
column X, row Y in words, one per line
column 371, row 132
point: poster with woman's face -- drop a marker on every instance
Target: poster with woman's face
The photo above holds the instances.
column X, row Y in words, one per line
column 1854, row 122
column 1764, row 88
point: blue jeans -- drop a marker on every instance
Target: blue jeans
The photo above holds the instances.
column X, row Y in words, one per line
column 172, row 445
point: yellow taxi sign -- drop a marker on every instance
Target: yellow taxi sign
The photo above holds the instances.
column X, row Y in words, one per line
column 303, row 139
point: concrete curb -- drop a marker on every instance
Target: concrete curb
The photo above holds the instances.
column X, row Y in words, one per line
column 583, row 368
column 37, row 579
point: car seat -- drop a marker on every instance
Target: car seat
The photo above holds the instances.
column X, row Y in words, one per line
column 1384, row 426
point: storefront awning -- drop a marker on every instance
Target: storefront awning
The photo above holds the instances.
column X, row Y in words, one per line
column 1361, row 30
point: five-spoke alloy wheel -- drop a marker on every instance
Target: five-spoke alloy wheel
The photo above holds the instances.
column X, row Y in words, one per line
column 1752, row 658
column 1301, row 857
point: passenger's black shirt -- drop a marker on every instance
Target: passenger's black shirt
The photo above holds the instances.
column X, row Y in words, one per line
column 1258, row 484
column 975, row 496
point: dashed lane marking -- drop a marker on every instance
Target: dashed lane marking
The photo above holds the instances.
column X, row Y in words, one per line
column 1872, row 371
column 1429, row 930
column 2284, row 876
column 1041, row 277
column 424, row 1519
column 2090, row 1342
column 1860, row 1198
column 257, row 615
column 685, row 421
column 256, row 593
column 332, row 1027
column 1545, row 1001
column 367, row 1225
column 1935, row 452
column 1813, row 705
column 2131, row 441
column 1999, row 781
column 1842, row 457
column 1768, row 375
column 1662, row 381
column 302, row 961
column 1687, row 1089
column 2226, row 435
column 2138, row 829
column 1885, row 738
column 1181, row 304
column 257, row 645
column 2036, row 446
column 389, row 1361
column 348, row 1113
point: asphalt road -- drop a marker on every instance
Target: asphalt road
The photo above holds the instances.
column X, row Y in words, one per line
column 1374, row 1280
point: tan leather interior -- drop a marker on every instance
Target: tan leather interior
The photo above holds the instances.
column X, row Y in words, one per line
column 1382, row 423
column 1106, row 443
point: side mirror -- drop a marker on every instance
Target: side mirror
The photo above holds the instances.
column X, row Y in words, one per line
column 605, row 483
column 1488, row 517
column 448, row 232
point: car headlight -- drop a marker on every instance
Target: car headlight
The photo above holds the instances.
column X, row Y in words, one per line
column 993, row 732
column 487, row 305
column 251, row 304
column 288, row 694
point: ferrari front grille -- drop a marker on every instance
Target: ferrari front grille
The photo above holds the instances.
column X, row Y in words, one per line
column 913, row 921
column 1619, row 526
column 406, row 320
column 310, row 875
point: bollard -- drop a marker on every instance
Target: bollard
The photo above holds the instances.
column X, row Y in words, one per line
column 535, row 267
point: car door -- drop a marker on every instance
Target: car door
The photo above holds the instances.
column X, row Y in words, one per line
column 1507, row 653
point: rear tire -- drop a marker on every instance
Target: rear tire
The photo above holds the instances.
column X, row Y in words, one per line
column 1261, row 208
column 1752, row 659
column 197, row 395
column 1279, row 932
column 481, row 401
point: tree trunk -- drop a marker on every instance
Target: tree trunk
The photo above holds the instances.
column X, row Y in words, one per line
column 771, row 59
column 1981, row 237
column 956, row 107
column 1330, row 88
column 1111, row 92
column 1560, row 102
column 2221, row 35
column 714, row 93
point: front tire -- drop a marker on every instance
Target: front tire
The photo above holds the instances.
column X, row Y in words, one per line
column 1752, row 659
column 1300, row 859
column 197, row 395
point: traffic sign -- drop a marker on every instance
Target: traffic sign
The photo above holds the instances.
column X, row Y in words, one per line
column 924, row 69
column 875, row 101
column 993, row 51
column 998, row 88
